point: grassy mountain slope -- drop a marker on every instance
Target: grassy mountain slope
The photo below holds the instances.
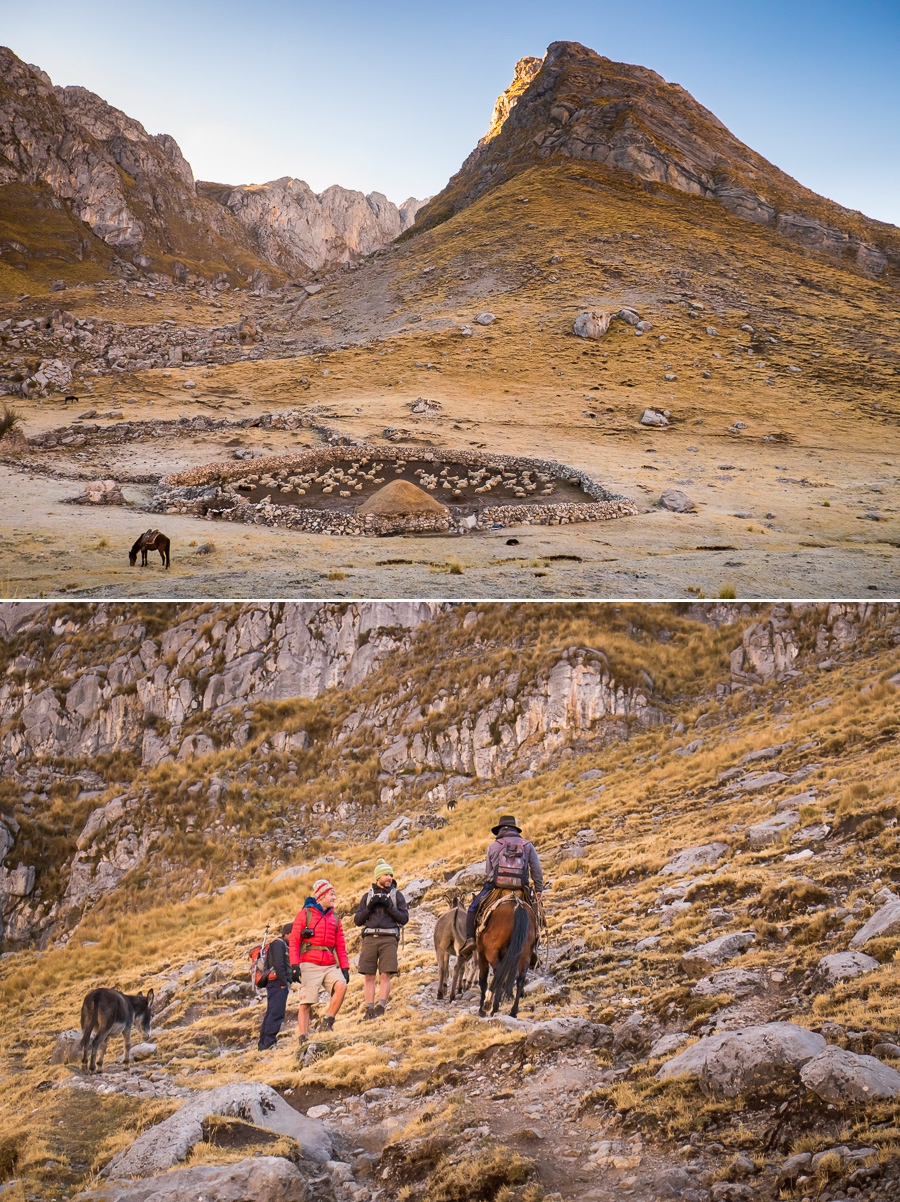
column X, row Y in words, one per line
column 590, row 1119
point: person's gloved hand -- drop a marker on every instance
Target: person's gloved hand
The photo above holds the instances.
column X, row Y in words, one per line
column 295, row 973
column 346, row 972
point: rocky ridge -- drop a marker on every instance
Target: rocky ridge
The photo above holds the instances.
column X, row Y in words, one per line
column 128, row 199
column 576, row 105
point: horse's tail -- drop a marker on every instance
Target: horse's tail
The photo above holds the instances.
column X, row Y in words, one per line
column 89, row 1014
column 503, row 984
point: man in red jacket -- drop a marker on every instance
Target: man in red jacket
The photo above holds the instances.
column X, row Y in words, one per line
column 319, row 957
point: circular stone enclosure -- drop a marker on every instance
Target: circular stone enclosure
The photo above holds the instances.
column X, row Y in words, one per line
column 322, row 490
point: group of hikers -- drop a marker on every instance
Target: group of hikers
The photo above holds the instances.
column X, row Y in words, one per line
column 312, row 951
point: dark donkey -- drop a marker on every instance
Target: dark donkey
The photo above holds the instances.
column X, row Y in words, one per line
column 150, row 540
column 507, row 944
column 109, row 1012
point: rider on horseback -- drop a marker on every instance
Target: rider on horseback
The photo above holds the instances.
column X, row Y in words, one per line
column 509, row 863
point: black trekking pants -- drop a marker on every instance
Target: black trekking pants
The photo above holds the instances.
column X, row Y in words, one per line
column 276, row 1001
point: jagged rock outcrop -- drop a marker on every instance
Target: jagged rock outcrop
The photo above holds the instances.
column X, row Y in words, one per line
column 297, row 228
column 131, row 197
column 578, row 105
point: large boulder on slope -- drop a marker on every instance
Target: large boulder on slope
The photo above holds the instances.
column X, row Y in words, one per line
column 842, row 966
column 260, row 1178
column 843, row 1077
column 693, row 858
column 883, row 922
column 568, row 1031
column 717, row 951
column 731, row 1062
column 162, row 1146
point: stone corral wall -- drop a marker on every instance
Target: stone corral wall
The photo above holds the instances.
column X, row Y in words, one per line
column 204, row 490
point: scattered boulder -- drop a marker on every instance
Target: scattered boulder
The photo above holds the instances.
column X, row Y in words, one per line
column 143, row 1051
column 764, row 834
column 796, row 1166
column 591, row 323
column 262, row 1178
column 415, row 890
column 288, row 874
column 841, row 966
column 883, row 922
column 737, row 981
column 66, row 1048
column 692, row 858
column 667, row 1044
column 164, row 1145
column 485, row 319
column 717, row 951
column 568, row 1031
column 673, row 1182
column 732, row 1191
column 629, row 316
column 843, row 1077
column 100, row 492
column 651, row 417
column 675, row 500
column 634, row 1035
column 731, row 1062
column 472, row 872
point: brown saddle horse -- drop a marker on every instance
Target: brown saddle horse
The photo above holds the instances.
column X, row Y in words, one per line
column 150, row 540
column 506, row 943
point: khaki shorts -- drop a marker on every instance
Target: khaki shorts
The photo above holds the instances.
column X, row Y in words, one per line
column 314, row 977
column 379, row 954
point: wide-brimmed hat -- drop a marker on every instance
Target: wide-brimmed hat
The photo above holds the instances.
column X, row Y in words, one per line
column 506, row 821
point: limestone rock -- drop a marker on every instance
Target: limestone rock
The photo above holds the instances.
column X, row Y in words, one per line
column 736, row 981
column 260, row 1178
column 568, row 1031
column 485, row 319
column 651, row 417
column 763, row 834
column 693, row 858
column 164, row 1145
column 591, row 323
column 883, row 922
column 66, row 1048
column 732, row 1062
column 101, row 492
column 842, row 966
column 717, row 951
column 675, row 500
column 843, row 1077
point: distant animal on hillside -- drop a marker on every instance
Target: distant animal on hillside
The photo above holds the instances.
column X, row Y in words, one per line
column 69, row 398
column 150, row 540
column 506, row 943
column 106, row 1012
column 449, row 936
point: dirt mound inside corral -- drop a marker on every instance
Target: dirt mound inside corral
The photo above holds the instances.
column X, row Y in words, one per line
column 400, row 497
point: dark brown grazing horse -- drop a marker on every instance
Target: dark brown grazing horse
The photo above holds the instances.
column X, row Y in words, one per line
column 150, row 540
column 449, row 937
column 506, row 943
column 106, row 1012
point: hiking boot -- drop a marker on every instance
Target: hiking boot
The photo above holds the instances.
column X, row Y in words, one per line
column 467, row 948
column 301, row 1046
column 370, row 1011
column 327, row 1023
column 379, row 1009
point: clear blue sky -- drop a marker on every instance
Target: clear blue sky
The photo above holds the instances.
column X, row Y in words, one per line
column 392, row 97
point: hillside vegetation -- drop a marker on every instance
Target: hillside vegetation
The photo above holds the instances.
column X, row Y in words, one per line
column 772, row 738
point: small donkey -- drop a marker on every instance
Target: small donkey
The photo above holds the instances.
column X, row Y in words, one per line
column 109, row 1012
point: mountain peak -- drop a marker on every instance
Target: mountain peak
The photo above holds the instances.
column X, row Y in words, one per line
column 574, row 104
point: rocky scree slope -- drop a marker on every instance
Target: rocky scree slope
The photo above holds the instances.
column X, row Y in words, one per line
column 82, row 180
column 715, row 1016
column 576, row 105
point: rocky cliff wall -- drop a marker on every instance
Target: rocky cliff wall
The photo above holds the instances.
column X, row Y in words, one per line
column 135, row 192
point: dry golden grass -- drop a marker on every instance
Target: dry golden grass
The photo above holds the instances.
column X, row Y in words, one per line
column 653, row 803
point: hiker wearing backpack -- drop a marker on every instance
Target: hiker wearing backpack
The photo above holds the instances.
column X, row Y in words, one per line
column 382, row 912
column 277, row 974
column 510, row 863
column 318, row 957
